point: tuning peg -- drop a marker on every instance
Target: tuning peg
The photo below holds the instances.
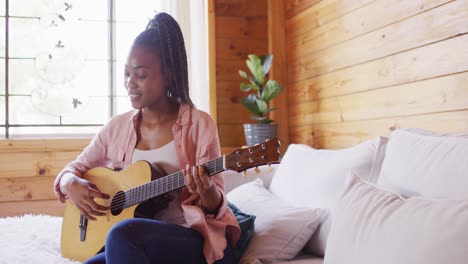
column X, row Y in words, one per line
column 244, row 173
column 269, row 168
column 257, row 170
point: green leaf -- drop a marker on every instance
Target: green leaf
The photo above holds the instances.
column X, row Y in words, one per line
column 243, row 74
column 272, row 109
column 266, row 62
column 271, row 90
column 258, row 118
column 261, row 119
column 250, row 102
column 262, row 106
column 255, row 66
column 248, row 77
column 245, row 87
column 266, row 121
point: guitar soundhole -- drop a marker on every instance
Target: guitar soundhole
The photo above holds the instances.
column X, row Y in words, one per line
column 117, row 204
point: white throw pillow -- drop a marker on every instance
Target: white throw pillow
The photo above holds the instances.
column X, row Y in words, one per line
column 419, row 162
column 371, row 225
column 315, row 178
column 281, row 230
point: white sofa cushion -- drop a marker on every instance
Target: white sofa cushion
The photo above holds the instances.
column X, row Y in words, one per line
column 281, row 230
column 371, row 225
column 315, row 178
column 419, row 162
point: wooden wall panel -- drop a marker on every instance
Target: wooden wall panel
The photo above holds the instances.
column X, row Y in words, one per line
column 48, row 207
column 27, row 170
column 228, row 70
column 339, row 135
column 373, row 16
column 277, row 46
column 239, row 49
column 301, row 135
column 231, row 135
column 442, row 94
column 405, row 67
column 211, row 19
column 241, row 29
column 234, row 114
column 444, row 22
column 42, row 145
column 294, row 7
column 319, row 14
column 26, row 188
column 378, row 66
column 34, row 163
column 240, row 8
column 229, row 92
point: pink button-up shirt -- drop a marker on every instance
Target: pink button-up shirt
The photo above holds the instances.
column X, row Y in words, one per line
column 196, row 140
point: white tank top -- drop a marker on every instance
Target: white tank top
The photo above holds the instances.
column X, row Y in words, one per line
column 166, row 158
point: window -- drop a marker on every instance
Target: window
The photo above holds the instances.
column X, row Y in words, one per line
column 61, row 63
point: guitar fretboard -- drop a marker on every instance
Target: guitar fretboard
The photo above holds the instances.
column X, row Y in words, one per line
column 167, row 183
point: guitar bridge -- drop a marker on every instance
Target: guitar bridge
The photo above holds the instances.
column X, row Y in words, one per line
column 83, row 226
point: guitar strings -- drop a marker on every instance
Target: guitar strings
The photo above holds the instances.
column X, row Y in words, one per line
column 132, row 196
column 138, row 194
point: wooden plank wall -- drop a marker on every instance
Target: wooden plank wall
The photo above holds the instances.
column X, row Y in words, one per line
column 27, row 172
column 360, row 68
column 241, row 28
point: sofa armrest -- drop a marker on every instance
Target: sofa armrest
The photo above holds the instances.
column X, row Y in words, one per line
column 233, row 179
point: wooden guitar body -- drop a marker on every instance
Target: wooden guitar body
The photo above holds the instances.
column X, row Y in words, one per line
column 109, row 182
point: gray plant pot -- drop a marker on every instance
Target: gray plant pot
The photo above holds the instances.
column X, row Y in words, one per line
column 259, row 133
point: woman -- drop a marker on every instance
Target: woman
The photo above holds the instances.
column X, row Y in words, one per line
column 164, row 128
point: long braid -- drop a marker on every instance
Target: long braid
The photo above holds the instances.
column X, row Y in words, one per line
column 164, row 35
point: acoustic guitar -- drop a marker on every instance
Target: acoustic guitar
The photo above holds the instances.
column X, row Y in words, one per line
column 135, row 186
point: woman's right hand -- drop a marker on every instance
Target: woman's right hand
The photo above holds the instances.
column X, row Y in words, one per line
column 82, row 193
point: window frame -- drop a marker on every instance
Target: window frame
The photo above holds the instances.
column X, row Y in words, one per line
column 112, row 83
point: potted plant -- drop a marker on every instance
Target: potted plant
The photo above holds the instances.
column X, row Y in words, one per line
column 260, row 92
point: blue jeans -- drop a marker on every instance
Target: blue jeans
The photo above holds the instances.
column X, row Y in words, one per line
column 139, row 240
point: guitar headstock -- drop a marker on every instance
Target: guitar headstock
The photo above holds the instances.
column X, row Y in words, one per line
column 261, row 154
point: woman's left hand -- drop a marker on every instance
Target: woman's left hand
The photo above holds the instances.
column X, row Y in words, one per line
column 196, row 179
column 198, row 182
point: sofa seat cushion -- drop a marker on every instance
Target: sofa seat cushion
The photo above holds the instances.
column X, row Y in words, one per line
column 372, row 225
column 303, row 258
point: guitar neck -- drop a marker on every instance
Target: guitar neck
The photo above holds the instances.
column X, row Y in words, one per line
column 168, row 183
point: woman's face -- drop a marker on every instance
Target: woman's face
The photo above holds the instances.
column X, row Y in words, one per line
column 144, row 78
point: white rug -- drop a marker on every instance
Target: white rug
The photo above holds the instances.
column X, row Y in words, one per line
column 31, row 239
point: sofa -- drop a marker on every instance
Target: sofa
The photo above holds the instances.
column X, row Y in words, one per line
column 397, row 199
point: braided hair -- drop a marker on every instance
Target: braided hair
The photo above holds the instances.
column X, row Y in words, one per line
column 163, row 35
